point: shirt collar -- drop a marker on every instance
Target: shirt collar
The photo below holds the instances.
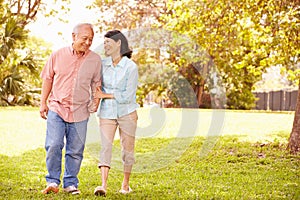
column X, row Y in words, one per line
column 74, row 54
column 108, row 61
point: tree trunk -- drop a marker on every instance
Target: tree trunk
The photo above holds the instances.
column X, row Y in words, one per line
column 199, row 90
column 294, row 140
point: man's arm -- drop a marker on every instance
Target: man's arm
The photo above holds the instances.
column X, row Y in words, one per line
column 94, row 103
column 46, row 89
column 96, row 85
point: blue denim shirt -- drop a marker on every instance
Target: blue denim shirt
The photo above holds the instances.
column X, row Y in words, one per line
column 121, row 81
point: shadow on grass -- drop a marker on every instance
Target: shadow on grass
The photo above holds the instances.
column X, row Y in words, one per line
column 231, row 170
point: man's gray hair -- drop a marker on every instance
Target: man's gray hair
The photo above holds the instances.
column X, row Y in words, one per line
column 78, row 26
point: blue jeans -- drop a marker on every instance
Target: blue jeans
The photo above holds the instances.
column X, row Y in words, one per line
column 74, row 135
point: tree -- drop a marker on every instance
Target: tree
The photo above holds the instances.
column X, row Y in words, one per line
column 12, row 61
column 143, row 21
column 136, row 17
column 284, row 24
column 294, row 140
column 230, row 35
column 244, row 38
column 292, row 38
column 211, row 26
column 21, row 57
column 129, row 14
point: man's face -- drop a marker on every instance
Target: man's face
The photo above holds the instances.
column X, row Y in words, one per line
column 83, row 39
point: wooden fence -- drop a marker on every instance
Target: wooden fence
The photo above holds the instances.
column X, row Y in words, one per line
column 276, row 100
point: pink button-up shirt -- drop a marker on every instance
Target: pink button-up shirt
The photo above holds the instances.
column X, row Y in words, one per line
column 73, row 79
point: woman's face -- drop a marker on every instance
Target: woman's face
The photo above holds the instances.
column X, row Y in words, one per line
column 111, row 47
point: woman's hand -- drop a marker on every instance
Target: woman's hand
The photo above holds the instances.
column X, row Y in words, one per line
column 98, row 94
column 101, row 95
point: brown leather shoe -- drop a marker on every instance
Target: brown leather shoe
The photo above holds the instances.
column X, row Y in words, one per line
column 51, row 187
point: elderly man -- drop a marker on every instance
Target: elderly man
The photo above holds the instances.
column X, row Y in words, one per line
column 70, row 77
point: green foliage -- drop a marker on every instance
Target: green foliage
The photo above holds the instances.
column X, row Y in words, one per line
column 128, row 14
column 241, row 99
column 161, row 55
column 148, row 64
column 21, row 57
column 242, row 37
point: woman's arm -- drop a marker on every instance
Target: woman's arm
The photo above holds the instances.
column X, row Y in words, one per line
column 101, row 95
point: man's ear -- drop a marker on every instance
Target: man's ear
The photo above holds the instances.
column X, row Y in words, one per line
column 73, row 36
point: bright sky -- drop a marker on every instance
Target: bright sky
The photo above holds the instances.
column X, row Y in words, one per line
column 49, row 30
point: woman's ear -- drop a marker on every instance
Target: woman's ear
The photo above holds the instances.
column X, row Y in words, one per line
column 119, row 43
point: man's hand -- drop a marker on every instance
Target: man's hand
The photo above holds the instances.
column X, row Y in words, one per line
column 93, row 105
column 44, row 111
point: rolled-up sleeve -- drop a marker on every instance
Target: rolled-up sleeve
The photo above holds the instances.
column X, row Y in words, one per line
column 48, row 71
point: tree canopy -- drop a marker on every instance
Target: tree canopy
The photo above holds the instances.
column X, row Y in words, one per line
column 228, row 44
column 242, row 38
column 21, row 56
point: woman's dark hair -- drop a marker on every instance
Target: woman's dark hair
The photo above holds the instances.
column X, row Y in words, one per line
column 116, row 35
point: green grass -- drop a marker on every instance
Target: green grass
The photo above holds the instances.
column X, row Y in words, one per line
column 233, row 166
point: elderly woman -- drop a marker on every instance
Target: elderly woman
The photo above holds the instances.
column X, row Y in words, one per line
column 118, row 107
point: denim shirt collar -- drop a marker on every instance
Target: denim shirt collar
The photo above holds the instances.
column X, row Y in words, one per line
column 109, row 63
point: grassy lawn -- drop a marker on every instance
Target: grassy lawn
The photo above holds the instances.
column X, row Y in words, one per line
column 222, row 155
